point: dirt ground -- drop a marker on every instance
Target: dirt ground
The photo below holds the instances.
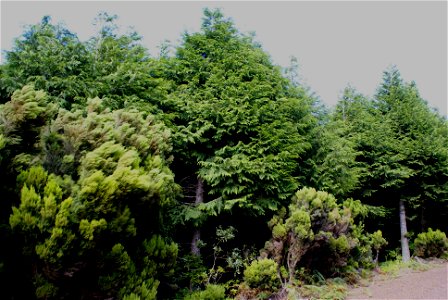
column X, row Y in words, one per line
column 408, row 284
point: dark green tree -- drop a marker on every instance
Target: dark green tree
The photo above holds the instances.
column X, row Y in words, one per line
column 241, row 127
column 112, row 66
column 120, row 69
column 50, row 57
column 401, row 149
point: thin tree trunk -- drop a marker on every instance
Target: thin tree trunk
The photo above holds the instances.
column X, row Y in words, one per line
column 423, row 219
column 375, row 261
column 197, row 232
column 404, row 231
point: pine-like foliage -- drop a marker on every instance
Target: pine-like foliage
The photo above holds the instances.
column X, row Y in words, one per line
column 113, row 67
column 50, row 57
column 94, row 230
column 399, row 146
column 313, row 220
column 238, row 124
column 21, row 120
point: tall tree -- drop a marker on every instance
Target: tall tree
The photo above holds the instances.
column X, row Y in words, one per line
column 241, row 127
column 120, row 69
column 403, row 171
column 112, row 66
column 50, row 57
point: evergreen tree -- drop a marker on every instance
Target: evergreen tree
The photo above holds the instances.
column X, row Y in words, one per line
column 21, row 120
column 418, row 134
column 112, row 66
column 336, row 169
column 50, row 57
column 95, row 230
column 241, row 127
column 400, row 148
column 120, row 69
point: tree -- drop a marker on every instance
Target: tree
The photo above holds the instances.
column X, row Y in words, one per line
column 241, row 129
column 412, row 122
column 112, row 66
column 52, row 59
column 402, row 170
column 336, row 169
column 120, row 69
column 96, row 230
column 21, row 120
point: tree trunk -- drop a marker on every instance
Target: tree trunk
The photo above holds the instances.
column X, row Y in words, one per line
column 404, row 231
column 197, row 232
column 423, row 219
column 375, row 261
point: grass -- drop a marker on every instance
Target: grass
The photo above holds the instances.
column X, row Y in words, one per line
column 393, row 267
column 331, row 290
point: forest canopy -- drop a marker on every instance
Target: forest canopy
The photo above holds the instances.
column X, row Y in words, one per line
column 211, row 173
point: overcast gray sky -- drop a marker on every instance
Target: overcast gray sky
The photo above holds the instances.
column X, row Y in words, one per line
column 336, row 42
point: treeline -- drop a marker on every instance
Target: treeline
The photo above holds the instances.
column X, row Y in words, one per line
column 206, row 174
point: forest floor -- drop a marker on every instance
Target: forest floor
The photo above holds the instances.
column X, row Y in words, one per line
column 421, row 280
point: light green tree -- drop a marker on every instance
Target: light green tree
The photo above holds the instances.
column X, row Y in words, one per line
column 96, row 230
column 312, row 220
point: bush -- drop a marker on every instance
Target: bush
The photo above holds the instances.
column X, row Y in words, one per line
column 211, row 292
column 314, row 225
column 431, row 244
column 262, row 274
column 331, row 290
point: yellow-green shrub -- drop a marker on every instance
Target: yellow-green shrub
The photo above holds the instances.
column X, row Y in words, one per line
column 262, row 274
column 431, row 244
column 211, row 292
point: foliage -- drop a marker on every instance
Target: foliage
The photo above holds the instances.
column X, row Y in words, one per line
column 337, row 171
column 432, row 243
column 377, row 240
column 110, row 159
column 236, row 124
column 84, row 228
column 330, row 290
column 400, row 148
column 262, row 274
column 21, row 120
column 211, row 292
column 113, row 67
column 191, row 273
column 222, row 236
column 50, row 57
column 313, row 220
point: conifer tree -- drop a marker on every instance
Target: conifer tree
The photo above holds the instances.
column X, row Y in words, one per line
column 51, row 58
column 21, row 120
column 398, row 141
column 241, row 127
column 420, row 176
column 91, row 227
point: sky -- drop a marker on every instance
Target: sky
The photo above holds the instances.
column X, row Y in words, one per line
column 336, row 42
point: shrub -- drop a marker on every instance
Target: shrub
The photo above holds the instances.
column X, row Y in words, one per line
column 431, row 244
column 330, row 290
column 314, row 225
column 262, row 274
column 211, row 292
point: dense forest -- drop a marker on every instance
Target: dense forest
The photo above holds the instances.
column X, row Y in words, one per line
column 207, row 172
